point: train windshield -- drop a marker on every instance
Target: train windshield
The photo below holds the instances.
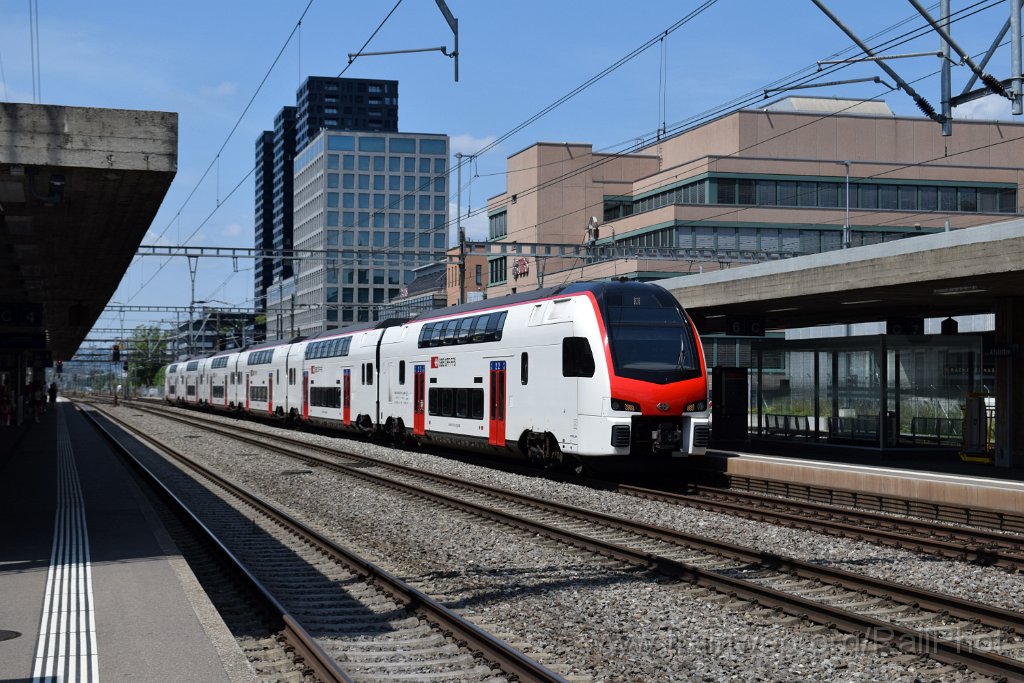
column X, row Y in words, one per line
column 650, row 338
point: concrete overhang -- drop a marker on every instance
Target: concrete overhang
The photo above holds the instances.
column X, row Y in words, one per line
column 960, row 272
column 79, row 188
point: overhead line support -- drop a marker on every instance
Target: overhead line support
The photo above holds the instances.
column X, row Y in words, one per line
column 926, row 108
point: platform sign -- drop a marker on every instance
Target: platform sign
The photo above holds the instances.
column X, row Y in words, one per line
column 21, row 315
column 744, row 326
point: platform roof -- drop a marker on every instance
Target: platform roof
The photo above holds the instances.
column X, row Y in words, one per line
column 79, row 188
column 959, row 272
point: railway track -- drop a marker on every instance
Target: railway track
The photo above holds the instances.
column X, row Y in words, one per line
column 980, row 546
column 368, row 624
column 978, row 518
column 953, row 631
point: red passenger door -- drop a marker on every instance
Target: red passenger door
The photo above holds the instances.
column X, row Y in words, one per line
column 225, row 391
column 247, row 392
column 418, row 399
column 305, row 394
column 497, row 417
column 270, row 392
column 346, row 414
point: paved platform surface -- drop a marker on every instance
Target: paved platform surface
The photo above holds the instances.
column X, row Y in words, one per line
column 91, row 586
column 932, row 475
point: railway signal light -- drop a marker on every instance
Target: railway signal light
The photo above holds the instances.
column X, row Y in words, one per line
column 117, row 352
column 60, row 367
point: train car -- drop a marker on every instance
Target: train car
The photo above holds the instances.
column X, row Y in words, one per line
column 172, row 382
column 188, row 375
column 340, row 377
column 262, row 368
column 560, row 376
column 219, row 381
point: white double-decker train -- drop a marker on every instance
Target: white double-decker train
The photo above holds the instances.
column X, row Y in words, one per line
column 559, row 376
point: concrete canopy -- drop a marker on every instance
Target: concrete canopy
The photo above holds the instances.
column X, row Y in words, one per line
column 932, row 276
column 79, row 188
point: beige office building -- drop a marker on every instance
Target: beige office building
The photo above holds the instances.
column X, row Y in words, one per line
column 751, row 186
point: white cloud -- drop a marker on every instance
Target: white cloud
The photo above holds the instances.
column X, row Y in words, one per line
column 469, row 144
column 475, row 225
column 989, row 108
column 232, row 230
column 225, row 89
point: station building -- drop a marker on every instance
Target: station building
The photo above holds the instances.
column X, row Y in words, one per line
column 755, row 185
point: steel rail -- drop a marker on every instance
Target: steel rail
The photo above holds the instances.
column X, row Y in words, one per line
column 968, row 545
column 906, row 639
column 325, row 667
column 999, row 520
column 495, row 650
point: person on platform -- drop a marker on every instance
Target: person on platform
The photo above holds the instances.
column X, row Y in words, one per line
column 53, row 392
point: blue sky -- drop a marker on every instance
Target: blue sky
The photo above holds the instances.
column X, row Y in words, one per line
column 205, row 60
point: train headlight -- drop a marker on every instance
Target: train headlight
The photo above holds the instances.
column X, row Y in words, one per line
column 698, row 407
column 625, row 406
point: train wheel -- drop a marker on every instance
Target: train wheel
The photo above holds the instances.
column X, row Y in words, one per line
column 543, row 451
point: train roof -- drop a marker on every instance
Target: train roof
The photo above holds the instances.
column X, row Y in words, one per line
column 272, row 344
column 598, row 288
column 359, row 327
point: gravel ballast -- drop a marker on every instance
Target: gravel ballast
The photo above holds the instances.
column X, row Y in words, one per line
column 584, row 615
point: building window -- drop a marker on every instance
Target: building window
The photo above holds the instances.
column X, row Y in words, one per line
column 497, row 270
column 498, row 227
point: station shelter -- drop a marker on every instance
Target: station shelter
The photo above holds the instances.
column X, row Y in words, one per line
column 879, row 391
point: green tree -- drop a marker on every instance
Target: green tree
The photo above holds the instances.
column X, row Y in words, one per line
column 147, row 354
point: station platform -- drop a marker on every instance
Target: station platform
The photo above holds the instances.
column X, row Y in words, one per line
column 92, row 585
column 931, row 475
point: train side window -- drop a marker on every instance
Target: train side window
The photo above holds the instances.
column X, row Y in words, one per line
column 450, row 329
column 577, row 358
column 524, row 368
column 401, row 372
column 432, row 402
column 369, row 373
column 476, row 397
column 425, row 332
column 435, row 334
column 480, row 330
column 465, row 331
column 446, row 402
column 494, row 326
column 462, row 403
column 362, row 373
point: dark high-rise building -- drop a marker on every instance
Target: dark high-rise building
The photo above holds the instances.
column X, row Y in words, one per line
column 282, row 199
column 263, row 271
column 322, row 103
column 344, row 104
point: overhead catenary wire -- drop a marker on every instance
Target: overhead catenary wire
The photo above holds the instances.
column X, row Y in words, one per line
column 295, row 30
column 469, row 210
column 694, row 122
column 227, row 139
